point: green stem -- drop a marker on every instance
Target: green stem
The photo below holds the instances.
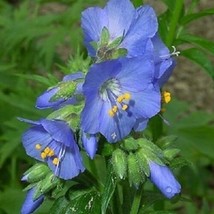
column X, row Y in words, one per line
column 13, row 171
column 136, row 201
column 174, row 22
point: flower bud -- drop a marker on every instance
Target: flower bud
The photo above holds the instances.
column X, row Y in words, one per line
column 49, row 182
column 45, row 185
column 119, row 162
column 164, row 179
column 134, row 172
column 36, row 173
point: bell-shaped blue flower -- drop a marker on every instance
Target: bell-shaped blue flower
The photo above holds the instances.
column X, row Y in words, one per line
column 53, row 141
column 164, row 179
column 119, row 92
column 90, row 142
column 63, row 93
column 30, row 205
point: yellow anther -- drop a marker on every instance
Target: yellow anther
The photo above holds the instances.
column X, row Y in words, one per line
column 38, row 146
column 50, row 153
column 47, row 150
column 55, row 161
column 114, row 109
column 111, row 113
column 43, row 155
column 124, row 107
column 120, row 99
column 166, row 97
column 127, row 96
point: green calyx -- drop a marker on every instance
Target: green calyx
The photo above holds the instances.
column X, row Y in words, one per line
column 69, row 113
column 66, row 90
column 107, row 49
column 119, row 162
column 49, row 183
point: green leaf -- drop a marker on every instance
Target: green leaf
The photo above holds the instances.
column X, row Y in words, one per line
column 200, row 58
column 149, row 199
column 109, row 189
column 59, row 206
column 83, row 201
column 11, row 196
column 198, row 41
column 191, row 17
column 170, row 4
column 137, row 3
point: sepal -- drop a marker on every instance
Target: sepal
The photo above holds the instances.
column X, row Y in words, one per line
column 134, row 172
column 45, row 185
column 119, row 162
column 170, row 154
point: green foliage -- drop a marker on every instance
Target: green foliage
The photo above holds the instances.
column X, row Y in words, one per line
column 174, row 30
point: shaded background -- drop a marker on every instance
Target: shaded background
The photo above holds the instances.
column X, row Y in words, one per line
column 36, row 40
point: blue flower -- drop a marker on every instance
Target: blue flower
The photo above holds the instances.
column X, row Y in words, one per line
column 121, row 19
column 163, row 178
column 63, row 93
column 30, row 205
column 90, row 142
column 137, row 29
column 53, row 141
column 119, row 92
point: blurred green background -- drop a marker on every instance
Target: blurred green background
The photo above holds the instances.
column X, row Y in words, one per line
column 37, row 37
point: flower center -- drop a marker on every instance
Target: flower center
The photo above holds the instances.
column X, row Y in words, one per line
column 111, row 92
column 47, row 152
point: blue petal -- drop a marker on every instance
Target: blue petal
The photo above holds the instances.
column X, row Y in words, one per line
column 98, row 74
column 35, row 135
column 160, row 51
column 136, row 73
column 143, row 27
column 117, row 127
column 120, row 15
column 70, row 164
column 44, row 100
column 163, row 178
column 90, row 115
column 140, row 124
column 90, row 144
column 30, row 205
column 93, row 20
column 165, row 70
column 146, row 104
column 59, row 131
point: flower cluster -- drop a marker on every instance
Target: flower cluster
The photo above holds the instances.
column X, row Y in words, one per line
column 118, row 95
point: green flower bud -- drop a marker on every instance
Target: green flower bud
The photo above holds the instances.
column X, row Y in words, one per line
column 171, row 153
column 66, row 90
column 134, row 172
column 143, row 163
column 45, row 185
column 36, row 173
column 119, row 162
